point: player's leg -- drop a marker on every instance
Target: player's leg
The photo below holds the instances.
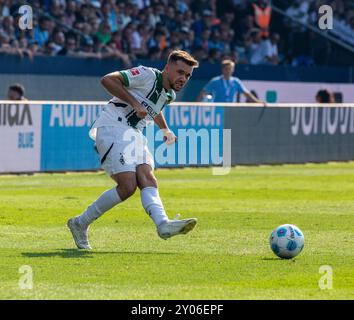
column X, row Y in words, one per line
column 107, row 200
column 149, row 193
column 110, row 148
column 153, row 206
column 126, row 186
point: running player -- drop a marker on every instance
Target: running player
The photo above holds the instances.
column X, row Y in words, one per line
column 139, row 95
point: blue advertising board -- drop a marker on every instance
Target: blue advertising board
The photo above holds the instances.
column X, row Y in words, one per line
column 66, row 144
column 65, row 141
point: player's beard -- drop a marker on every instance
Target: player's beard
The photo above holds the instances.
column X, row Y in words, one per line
column 173, row 86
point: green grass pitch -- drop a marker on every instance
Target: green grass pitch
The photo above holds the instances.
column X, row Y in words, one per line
column 227, row 256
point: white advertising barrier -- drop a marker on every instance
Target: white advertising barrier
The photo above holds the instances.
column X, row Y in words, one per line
column 298, row 92
column 305, row 121
column 53, row 135
column 20, row 137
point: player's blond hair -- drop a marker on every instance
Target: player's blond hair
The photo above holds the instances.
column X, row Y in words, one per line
column 227, row 62
column 180, row 55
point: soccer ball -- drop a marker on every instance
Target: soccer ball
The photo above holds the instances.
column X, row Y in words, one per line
column 287, row 241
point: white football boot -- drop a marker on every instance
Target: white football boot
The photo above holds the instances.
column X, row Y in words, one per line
column 80, row 234
column 174, row 227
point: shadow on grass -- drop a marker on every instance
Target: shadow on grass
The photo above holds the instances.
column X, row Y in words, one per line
column 278, row 259
column 271, row 259
column 76, row 253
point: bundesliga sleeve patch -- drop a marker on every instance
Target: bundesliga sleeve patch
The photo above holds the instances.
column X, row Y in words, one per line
column 134, row 72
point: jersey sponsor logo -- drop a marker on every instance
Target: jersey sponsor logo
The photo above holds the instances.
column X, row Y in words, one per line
column 149, row 109
column 134, row 72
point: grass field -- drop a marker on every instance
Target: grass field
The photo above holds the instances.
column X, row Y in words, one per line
column 227, row 256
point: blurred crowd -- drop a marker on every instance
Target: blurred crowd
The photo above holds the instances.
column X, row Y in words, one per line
column 245, row 31
column 306, row 47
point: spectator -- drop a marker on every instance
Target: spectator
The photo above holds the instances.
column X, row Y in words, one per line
column 24, row 47
column 127, row 39
column 188, row 19
column 155, row 53
column 86, row 50
column 16, row 92
column 168, row 18
column 186, row 39
column 125, row 16
column 226, row 37
column 205, row 23
column 141, row 4
column 104, row 33
column 8, row 26
column 214, row 56
column 174, row 40
column 199, row 7
column 182, row 6
column 158, row 40
column 271, row 49
column 262, row 16
column 4, row 43
column 83, row 14
column 34, row 48
column 70, row 10
column 139, row 40
column 110, row 51
column 257, row 49
column 215, row 41
column 204, row 40
column 244, row 28
column 298, row 10
column 70, row 48
column 56, row 9
column 166, row 52
column 117, row 39
column 199, row 53
column 58, row 42
column 4, row 9
column 109, row 15
column 324, row 96
column 180, row 23
column 225, row 87
column 41, row 32
column 242, row 55
column 143, row 18
column 154, row 13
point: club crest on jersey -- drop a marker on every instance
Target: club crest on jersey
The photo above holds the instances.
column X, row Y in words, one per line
column 134, row 72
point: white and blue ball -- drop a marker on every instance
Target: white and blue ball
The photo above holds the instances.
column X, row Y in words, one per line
column 287, row 241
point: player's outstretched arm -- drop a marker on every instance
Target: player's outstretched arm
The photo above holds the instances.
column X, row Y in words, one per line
column 254, row 99
column 114, row 84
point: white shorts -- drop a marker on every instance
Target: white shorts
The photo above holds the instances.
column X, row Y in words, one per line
column 122, row 149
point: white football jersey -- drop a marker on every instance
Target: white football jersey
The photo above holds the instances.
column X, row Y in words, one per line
column 145, row 85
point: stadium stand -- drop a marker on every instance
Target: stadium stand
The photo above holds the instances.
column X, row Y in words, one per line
column 252, row 32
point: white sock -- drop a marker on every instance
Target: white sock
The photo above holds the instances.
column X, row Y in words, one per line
column 153, row 206
column 106, row 201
